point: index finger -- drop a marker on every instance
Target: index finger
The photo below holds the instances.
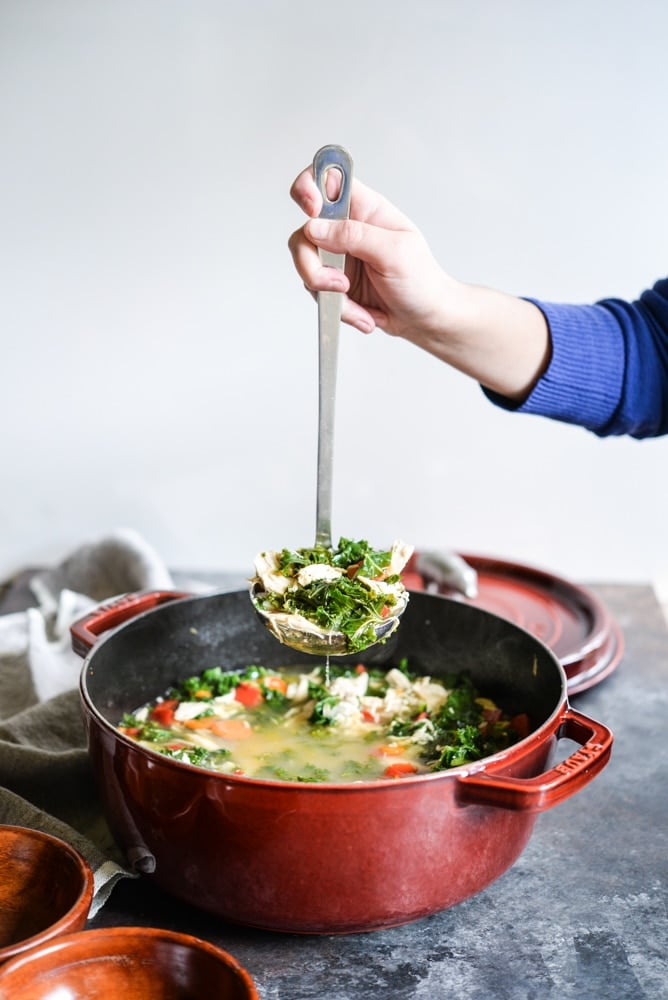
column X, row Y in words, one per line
column 305, row 192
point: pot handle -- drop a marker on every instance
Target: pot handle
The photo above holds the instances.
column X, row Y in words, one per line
column 545, row 790
column 86, row 630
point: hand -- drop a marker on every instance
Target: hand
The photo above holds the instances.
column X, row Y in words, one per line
column 391, row 280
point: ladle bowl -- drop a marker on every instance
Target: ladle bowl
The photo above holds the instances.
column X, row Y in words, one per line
column 306, row 637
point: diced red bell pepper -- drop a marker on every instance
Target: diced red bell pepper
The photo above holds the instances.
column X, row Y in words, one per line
column 492, row 714
column 248, row 694
column 400, row 769
column 163, row 712
column 520, row 723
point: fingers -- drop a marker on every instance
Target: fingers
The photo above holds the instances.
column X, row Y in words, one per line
column 327, row 279
column 368, row 243
column 305, row 192
column 356, row 315
column 316, row 277
column 388, row 253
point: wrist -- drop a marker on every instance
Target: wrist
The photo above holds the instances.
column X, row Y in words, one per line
column 500, row 340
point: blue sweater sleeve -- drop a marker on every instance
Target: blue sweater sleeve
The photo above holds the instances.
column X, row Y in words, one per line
column 609, row 366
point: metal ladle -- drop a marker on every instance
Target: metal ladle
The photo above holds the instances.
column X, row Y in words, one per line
column 312, row 639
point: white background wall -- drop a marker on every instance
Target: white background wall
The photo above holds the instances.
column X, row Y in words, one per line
column 159, row 356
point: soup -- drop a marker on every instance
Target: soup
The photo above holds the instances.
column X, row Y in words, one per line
column 363, row 725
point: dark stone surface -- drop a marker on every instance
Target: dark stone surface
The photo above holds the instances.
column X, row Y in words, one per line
column 582, row 913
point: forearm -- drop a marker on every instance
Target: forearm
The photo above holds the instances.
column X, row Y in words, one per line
column 500, row 340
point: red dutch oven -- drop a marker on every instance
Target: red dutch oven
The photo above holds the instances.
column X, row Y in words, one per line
column 324, row 858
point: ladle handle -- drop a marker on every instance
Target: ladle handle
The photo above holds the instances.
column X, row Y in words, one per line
column 329, row 319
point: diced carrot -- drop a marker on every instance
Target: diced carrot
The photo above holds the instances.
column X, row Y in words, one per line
column 399, row 769
column 368, row 715
column 248, row 694
column 388, row 750
column 130, row 730
column 360, row 669
column 203, row 723
column 275, row 683
column 202, row 694
column 384, row 611
column 231, row 729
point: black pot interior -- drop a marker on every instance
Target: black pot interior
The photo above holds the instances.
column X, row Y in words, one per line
column 437, row 636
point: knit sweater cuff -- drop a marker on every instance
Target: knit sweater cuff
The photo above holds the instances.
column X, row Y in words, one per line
column 584, row 379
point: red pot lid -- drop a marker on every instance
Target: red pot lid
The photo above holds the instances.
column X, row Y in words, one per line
column 567, row 617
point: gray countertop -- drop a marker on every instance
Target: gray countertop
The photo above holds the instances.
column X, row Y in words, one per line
column 582, row 913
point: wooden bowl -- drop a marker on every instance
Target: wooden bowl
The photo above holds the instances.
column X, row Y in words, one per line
column 46, row 889
column 135, row 963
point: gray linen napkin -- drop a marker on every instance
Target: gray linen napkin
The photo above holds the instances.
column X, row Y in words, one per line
column 45, row 779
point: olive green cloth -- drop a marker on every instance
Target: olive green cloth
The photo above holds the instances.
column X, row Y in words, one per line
column 45, row 777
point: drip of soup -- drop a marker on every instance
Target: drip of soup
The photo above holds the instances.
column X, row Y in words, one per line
column 360, row 724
